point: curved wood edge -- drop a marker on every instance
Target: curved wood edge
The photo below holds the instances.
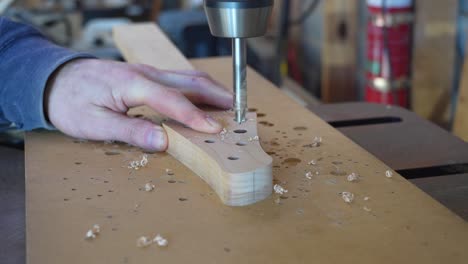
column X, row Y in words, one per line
column 233, row 163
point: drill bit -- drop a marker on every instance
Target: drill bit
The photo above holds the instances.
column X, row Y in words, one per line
column 240, row 82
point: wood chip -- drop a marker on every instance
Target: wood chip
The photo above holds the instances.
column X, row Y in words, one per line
column 143, row 242
column 353, row 177
column 389, row 174
column 138, row 164
column 93, row 232
column 160, row 241
column 149, row 187
column 347, row 197
column 279, row 189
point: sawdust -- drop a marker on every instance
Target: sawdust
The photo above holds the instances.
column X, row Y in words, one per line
column 149, row 187
column 255, row 138
column 353, row 177
column 279, row 189
column 138, row 164
column 143, row 242
column 160, row 241
column 347, row 197
column 389, row 174
column 93, row 232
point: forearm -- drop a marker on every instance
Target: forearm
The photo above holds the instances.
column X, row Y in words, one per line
column 27, row 61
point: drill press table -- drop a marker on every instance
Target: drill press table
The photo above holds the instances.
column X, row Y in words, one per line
column 71, row 185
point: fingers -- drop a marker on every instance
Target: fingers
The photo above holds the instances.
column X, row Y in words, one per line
column 170, row 102
column 137, row 132
column 198, row 86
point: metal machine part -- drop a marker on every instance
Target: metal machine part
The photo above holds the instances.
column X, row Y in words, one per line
column 238, row 19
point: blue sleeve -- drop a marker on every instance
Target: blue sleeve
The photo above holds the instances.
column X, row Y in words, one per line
column 27, row 60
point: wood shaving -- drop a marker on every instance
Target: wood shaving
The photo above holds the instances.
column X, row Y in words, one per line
column 143, row 242
column 389, row 174
column 312, row 162
column 353, row 177
column 367, row 209
column 169, row 172
column 223, row 133
column 93, row 232
column 316, row 142
column 149, row 187
column 256, row 138
column 279, row 189
column 160, row 241
column 138, row 164
column 347, row 197
column 367, row 198
column 308, row 175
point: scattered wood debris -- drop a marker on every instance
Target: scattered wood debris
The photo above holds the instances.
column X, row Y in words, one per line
column 316, row 142
column 160, row 241
column 367, row 209
column 93, row 232
column 389, row 174
column 279, row 189
column 149, row 187
column 308, row 175
column 138, row 164
column 312, row 162
column 353, row 177
column 367, row 198
column 256, row 138
column 347, row 197
column 169, row 172
column 143, row 242
column 223, row 133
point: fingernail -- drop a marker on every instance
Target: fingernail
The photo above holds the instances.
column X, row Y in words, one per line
column 212, row 122
column 158, row 138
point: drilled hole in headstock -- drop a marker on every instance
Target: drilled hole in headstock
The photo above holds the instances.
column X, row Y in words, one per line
column 233, row 158
column 209, row 141
column 240, row 131
column 240, row 144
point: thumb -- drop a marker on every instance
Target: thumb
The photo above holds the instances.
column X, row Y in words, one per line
column 138, row 132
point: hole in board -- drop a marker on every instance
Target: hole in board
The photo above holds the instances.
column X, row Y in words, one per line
column 240, row 131
column 209, row 141
column 240, row 144
column 233, row 158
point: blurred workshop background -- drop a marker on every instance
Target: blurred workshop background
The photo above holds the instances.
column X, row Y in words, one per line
column 396, row 52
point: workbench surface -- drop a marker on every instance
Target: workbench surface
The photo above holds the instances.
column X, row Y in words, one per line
column 448, row 190
column 72, row 185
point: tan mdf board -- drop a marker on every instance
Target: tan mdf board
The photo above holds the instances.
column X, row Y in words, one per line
column 233, row 162
column 310, row 224
column 433, row 58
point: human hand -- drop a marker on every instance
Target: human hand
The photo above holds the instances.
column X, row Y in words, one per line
column 89, row 99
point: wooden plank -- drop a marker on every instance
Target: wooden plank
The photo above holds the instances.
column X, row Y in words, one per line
column 339, row 51
column 460, row 126
column 434, row 59
column 310, row 223
column 234, row 166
